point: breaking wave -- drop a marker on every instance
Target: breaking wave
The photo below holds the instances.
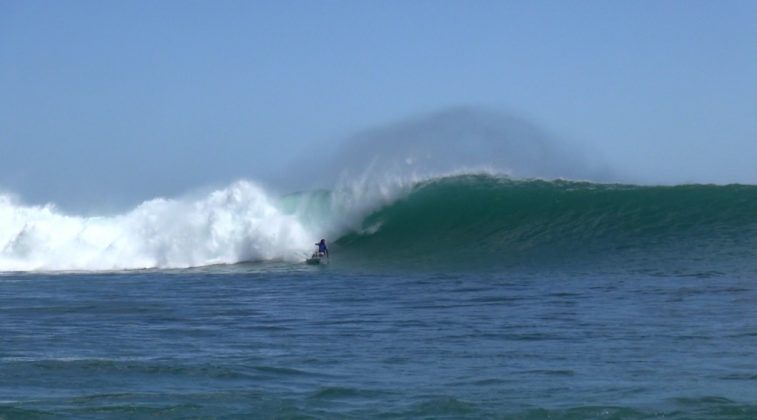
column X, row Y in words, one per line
column 238, row 223
column 461, row 220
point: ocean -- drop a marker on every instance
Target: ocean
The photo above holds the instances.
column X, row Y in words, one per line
column 458, row 296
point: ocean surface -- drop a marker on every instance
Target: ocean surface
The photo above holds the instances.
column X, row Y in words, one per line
column 465, row 296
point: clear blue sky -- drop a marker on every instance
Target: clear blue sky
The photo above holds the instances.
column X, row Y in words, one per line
column 107, row 103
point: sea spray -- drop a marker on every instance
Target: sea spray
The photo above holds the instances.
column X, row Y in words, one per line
column 451, row 141
column 237, row 223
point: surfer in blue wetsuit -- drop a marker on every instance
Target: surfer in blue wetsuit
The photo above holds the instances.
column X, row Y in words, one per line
column 322, row 248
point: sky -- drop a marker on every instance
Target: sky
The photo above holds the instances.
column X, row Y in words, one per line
column 104, row 104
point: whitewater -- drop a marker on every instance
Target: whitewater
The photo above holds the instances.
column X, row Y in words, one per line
column 237, row 223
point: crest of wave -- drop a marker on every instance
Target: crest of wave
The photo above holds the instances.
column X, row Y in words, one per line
column 238, row 223
column 377, row 166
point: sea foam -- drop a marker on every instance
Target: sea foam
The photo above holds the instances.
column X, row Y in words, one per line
column 238, row 223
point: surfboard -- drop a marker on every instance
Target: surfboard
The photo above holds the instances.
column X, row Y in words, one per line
column 317, row 259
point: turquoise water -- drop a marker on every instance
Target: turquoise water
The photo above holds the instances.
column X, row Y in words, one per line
column 466, row 297
column 473, row 223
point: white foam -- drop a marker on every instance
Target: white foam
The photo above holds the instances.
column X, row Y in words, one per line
column 237, row 223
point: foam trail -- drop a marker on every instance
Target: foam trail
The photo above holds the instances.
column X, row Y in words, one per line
column 238, row 223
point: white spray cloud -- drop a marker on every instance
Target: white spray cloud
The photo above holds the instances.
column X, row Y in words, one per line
column 238, row 223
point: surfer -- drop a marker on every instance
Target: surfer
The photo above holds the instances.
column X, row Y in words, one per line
column 321, row 251
column 322, row 248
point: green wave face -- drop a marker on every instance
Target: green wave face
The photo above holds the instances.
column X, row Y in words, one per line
column 489, row 222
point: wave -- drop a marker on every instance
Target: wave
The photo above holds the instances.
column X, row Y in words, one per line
column 480, row 220
column 490, row 221
column 238, row 223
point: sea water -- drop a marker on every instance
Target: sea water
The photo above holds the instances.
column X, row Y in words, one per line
column 462, row 297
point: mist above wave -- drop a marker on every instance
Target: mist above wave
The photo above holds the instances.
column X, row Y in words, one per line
column 456, row 140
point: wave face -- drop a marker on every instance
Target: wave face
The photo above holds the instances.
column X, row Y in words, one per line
column 488, row 221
